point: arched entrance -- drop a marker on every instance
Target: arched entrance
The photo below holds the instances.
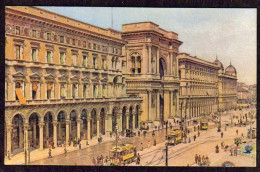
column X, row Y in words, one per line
column 61, row 135
column 114, row 122
column 131, row 118
column 162, row 67
column 93, row 124
column 124, row 119
column 17, row 135
column 47, row 130
column 84, row 125
column 136, row 117
column 102, row 121
column 73, row 125
column 161, row 109
column 33, row 131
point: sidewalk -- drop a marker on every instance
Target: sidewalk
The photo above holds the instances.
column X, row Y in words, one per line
column 38, row 154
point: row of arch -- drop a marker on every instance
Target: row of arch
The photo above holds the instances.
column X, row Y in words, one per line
column 37, row 131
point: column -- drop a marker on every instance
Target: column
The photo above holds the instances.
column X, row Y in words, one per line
column 8, row 138
column 119, row 121
column 34, row 131
column 157, row 61
column 139, row 118
column 59, row 126
column 145, row 62
column 149, row 58
column 149, row 106
column 171, row 63
column 88, row 135
column 67, row 131
column 26, row 127
column 176, row 65
column 78, row 128
column 55, row 133
column 98, row 119
column 127, row 120
column 41, row 124
column 134, row 120
column 177, row 102
column 157, row 105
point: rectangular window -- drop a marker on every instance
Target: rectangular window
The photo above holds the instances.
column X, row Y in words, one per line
column 61, row 39
column 84, row 44
column 103, row 63
column 89, row 45
column 94, row 46
column 49, row 36
column 17, row 30
column 116, row 50
column 94, row 62
column 49, row 89
column 62, row 60
column 17, row 51
column 34, row 33
column 33, row 54
column 49, row 57
column 85, row 61
column 73, row 41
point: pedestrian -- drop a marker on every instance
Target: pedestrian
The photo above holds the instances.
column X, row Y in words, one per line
column 217, row 149
column 138, row 159
column 194, row 128
column 138, row 133
column 154, row 142
column 101, row 159
column 194, row 137
column 199, row 160
column 203, row 159
column 222, row 145
column 148, row 144
column 235, row 151
column 221, row 134
column 65, row 151
column 153, row 134
column 198, row 133
column 79, row 145
column 189, row 140
column 110, row 134
column 141, row 146
column 8, row 155
column 231, row 151
column 242, row 135
column 196, row 159
column 50, row 153
column 198, row 127
column 98, row 160
column 237, row 132
column 94, row 161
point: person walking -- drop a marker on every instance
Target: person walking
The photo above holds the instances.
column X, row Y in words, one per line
column 235, row 151
column 199, row 160
column 141, row 146
column 153, row 134
column 138, row 133
column 203, row 159
column 50, row 153
column 94, row 161
column 148, row 144
column 79, row 146
column 189, row 140
column 138, row 159
column 154, row 142
column 221, row 134
column 198, row 133
column 231, row 151
column 194, row 137
column 237, row 132
column 196, row 159
column 217, row 149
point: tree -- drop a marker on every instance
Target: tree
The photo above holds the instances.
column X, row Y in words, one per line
column 238, row 140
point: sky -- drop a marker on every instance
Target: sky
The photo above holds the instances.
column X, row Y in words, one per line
column 228, row 34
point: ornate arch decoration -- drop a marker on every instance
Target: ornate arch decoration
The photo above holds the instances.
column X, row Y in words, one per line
column 37, row 113
column 77, row 112
column 65, row 112
column 10, row 119
column 52, row 114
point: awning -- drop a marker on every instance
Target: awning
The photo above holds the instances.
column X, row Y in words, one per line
column 20, row 96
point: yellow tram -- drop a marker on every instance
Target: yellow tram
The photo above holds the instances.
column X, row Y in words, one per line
column 204, row 124
column 174, row 136
column 124, row 153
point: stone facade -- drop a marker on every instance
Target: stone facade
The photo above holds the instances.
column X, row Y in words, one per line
column 63, row 79
column 152, row 70
column 198, row 86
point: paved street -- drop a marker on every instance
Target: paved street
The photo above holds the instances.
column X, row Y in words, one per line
column 179, row 155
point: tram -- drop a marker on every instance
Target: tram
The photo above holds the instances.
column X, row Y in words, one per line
column 124, row 153
column 204, row 124
column 174, row 136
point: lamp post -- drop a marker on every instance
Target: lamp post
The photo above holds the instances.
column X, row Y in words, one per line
column 166, row 145
column 116, row 140
column 25, row 153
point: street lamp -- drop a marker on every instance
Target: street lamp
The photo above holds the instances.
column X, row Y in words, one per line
column 166, row 145
column 116, row 139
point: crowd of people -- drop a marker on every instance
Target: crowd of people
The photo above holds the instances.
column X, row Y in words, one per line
column 201, row 160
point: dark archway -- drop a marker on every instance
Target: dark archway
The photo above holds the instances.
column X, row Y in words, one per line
column 93, row 124
column 17, row 135
column 162, row 67
column 84, row 126
column 73, row 125
column 47, row 130
column 33, row 131
column 131, row 118
column 61, row 135
column 102, row 121
column 124, row 119
column 161, row 109
column 136, row 116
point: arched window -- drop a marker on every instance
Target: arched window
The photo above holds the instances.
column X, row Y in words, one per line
column 133, row 64
column 139, row 64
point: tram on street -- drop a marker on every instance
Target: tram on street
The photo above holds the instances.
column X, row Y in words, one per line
column 174, row 136
column 122, row 154
column 204, row 124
